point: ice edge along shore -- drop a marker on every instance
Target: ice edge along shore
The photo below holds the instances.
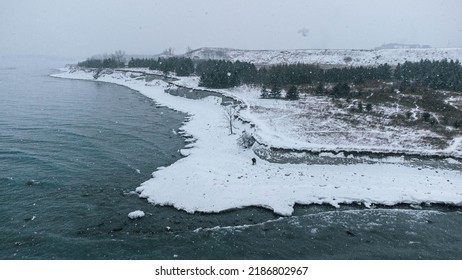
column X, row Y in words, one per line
column 217, row 174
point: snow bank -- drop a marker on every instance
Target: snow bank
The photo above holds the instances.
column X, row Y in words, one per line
column 218, row 175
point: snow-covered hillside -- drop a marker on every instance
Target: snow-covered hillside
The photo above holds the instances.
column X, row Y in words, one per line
column 316, row 123
column 328, row 56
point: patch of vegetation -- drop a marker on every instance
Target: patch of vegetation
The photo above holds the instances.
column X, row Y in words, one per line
column 441, row 74
column 180, row 65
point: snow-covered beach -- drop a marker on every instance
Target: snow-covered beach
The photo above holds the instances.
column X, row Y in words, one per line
column 217, row 174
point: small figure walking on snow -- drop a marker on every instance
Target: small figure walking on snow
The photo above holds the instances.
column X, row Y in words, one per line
column 254, row 161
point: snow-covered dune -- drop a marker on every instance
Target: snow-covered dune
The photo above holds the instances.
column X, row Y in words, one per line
column 340, row 57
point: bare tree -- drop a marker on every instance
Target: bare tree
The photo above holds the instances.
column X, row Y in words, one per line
column 119, row 56
column 229, row 112
column 169, row 52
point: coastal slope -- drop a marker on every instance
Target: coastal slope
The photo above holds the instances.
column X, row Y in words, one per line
column 216, row 174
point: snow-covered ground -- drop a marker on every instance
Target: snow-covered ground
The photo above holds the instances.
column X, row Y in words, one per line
column 345, row 57
column 315, row 123
column 217, row 174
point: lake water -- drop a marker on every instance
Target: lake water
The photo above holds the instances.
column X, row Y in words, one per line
column 72, row 152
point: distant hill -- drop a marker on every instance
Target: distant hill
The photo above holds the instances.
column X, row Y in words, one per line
column 402, row 46
column 337, row 57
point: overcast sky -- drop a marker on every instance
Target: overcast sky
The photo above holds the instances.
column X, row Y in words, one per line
column 87, row 27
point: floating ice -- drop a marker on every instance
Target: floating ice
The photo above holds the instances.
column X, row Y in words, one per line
column 136, row 214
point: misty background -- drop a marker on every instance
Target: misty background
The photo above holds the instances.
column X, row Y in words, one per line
column 86, row 27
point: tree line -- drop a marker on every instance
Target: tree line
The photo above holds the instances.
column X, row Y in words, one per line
column 444, row 74
column 212, row 73
column 302, row 74
column 115, row 60
column 101, row 63
column 224, row 74
column 180, row 65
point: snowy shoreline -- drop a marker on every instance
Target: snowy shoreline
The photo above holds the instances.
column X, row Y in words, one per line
column 217, row 174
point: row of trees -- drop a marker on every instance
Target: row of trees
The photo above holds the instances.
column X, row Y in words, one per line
column 219, row 74
column 224, row 74
column 180, row 65
column 441, row 74
column 115, row 60
column 101, row 63
column 444, row 74
column 275, row 93
column 302, row 74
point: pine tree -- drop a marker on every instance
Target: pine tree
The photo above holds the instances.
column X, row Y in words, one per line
column 360, row 106
column 275, row 92
column 320, row 89
column 341, row 90
column 292, row 93
column 264, row 92
column 368, row 107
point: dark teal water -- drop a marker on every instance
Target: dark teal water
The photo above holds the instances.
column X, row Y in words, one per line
column 72, row 152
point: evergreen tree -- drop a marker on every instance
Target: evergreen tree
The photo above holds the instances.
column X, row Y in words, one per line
column 275, row 92
column 368, row 107
column 403, row 86
column 264, row 92
column 360, row 106
column 341, row 89
column 426, row 116
column 292, row 93
column 320, row 89
column 413, row 87
column 383, row 72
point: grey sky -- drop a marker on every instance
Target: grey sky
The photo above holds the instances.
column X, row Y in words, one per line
column 86, row 27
